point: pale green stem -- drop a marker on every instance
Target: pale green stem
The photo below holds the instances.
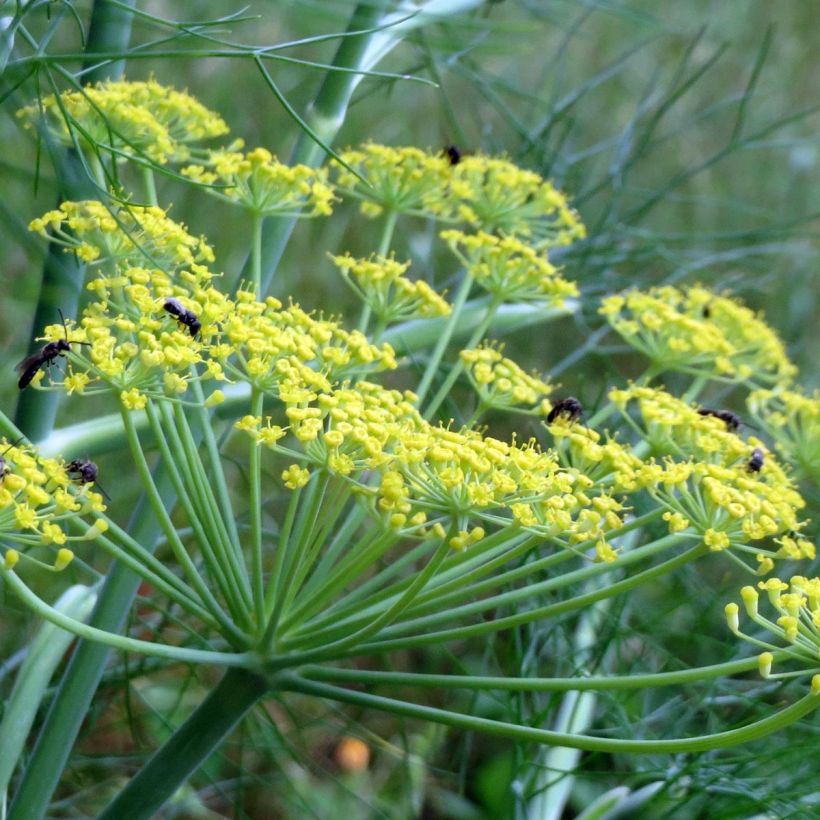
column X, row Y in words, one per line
column 229, row 562
column 734, row 737
column 205, row 425
column 178, row 548
column 694, row 389
column 457, row 368
column 149, row 184
column 256, row 255
column 444, row 339
column 592, row 683
column 203, row 530
column 273, row 592
column 255, row 502
column 375, row 625
column 178, row 654
column 384, row 246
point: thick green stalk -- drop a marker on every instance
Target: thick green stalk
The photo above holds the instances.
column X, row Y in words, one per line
column 512, row 731
column 62, row 277
column 189, row 747
column 325, row 117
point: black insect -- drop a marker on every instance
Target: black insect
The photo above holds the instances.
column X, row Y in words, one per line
column 46, row 355
column 3, row 470
column 731, row 421
column 755, row 463
column 569, row 408
column 453, row 154
column 183, row 315
column 84, row 471
column 707, row 312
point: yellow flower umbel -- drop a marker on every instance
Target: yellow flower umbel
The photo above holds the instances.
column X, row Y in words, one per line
column 792, row 419
column 502, row 385
column 38, row 499
column 699, row 332
column 796, row 628
column 380, row 284
column 398, row 180
column 258, row 182
column 495, row 195
column 709, row 477
column 511, row 270
column 130, row 118
column 112, row 238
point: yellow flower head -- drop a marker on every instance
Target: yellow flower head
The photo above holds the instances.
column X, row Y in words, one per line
column 400, row 180
column 380, row 283
column 792, row 419
column 502, row 384
column 495, row 195
column 700, row 332
column 510, row 269
column 261, row 184
column 129, row 118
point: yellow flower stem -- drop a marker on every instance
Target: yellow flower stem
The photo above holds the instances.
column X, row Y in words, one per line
column 352, row 605
column 438, row 606
column 425, row 636
column 331, row 510
column 256, row 254
column 175, row 590
column 390, row 219
column 316, row 598
column 178, row 654
column 255, row 488
column 149, row 184
column 527, row 734
column 592, row 683
column 178, row 548
column 182, row 474
column 373, row 625
column 479, row 411
column 230, row 559
column 444, row 339
column 695, row 389
column 307, row 521
column 205, row 425
column 272, row 593
column 458, row 367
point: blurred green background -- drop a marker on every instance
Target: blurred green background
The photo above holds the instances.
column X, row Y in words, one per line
column 686, row 134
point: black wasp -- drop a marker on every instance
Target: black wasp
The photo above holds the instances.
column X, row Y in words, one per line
column 183, row 315
column 453, row 154
column 84, row 471
column 755, row 463
column 569, row 408
column 731, row 421
column 44, row 356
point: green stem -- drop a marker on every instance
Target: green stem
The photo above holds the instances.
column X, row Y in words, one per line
column 721, row 740
column 444, row 339
column 150, row 185
column 256, row 255
column 600, row 683
column 179, row 654
column 189, row 747
column 255, row 502
column 456, row 369
column 180, row 553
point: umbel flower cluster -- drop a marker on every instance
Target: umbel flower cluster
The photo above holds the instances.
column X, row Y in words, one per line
column 340, row 416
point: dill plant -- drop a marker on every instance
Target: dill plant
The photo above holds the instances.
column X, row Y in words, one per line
column 371, row 522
